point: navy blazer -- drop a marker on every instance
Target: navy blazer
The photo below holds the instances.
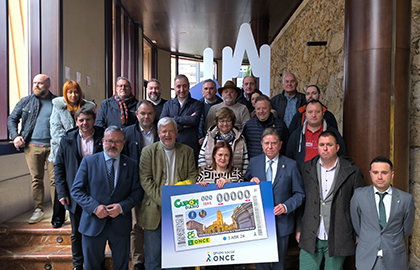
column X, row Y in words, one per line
column 187, row 124
column 287, row 188
column 90, row 189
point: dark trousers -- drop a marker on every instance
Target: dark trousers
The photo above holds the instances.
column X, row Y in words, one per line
column 94, row 249
column 76, row 238
column 282, row 246
column 59, row 212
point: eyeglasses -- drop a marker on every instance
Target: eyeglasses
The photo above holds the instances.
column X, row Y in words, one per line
column 224, row 121
column 113, row 142
column 123, row 86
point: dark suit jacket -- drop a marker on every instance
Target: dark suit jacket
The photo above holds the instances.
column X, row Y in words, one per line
column 109, row 113
column 153, row 176
column 134, row 141
column 68, row 160
column 341, row 238
column 90, row 189
column 287, row 188
column 364, row 217
column 187, row 124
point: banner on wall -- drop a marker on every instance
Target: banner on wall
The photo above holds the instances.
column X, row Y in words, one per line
column 204, row 226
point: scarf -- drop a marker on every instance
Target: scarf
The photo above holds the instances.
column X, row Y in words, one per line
column 123, row 107
column 229, row 138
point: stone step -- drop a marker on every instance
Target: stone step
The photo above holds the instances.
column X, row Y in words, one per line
column 38, row 246
column 48, row 257
column 13, row 234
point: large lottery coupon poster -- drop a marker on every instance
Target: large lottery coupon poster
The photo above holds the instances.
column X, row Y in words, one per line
column 210, row 226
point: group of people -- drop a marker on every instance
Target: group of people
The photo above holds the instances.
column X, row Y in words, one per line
column 101, row 166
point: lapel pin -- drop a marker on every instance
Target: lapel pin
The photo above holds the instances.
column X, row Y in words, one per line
column 283, row 166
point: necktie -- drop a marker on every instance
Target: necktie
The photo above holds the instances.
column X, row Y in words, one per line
column 269, row 173
column 111, row 174
column 382, row 213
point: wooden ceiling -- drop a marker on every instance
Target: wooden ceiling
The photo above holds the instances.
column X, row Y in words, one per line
column 189, row 26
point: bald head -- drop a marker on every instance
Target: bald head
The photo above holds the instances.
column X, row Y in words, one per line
column 41, row 85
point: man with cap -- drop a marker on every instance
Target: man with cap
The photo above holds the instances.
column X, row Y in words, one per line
column 229, row 93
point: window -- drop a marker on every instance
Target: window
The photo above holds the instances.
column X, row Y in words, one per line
column 190, row 67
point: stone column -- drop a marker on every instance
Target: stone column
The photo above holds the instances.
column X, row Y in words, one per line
column 376, row 84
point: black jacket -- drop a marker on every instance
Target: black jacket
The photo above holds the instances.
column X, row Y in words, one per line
column 341, row 237
column 299, row 118
column 67, row 162
column 279, row 103
column 26, row 109
column 242, row 99
column 187, row 124
column 158, row 109
column 254, row 129
column 297, row 143
column 109, row 113
column 134, row 141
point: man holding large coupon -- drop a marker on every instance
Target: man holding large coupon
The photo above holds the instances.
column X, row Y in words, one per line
column 288, row 189
column 163, row 163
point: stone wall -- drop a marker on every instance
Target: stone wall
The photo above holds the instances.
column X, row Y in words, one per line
column 323, row 20
column 318, row 20
column 415, row 131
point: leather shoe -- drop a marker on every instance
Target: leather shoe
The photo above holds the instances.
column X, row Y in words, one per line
column 139, row 266
column 56, row 224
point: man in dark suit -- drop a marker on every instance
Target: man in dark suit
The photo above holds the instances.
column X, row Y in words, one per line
column 288, row 189
column 383, row 218
column 186, row 111
column 137, row 136
column 74, row 146
column 107, row 188
column 323, row 228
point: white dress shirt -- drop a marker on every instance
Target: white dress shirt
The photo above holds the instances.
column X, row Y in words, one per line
column 327, row 179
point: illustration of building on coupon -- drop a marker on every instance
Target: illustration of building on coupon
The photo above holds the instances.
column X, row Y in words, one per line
column 218, row 217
